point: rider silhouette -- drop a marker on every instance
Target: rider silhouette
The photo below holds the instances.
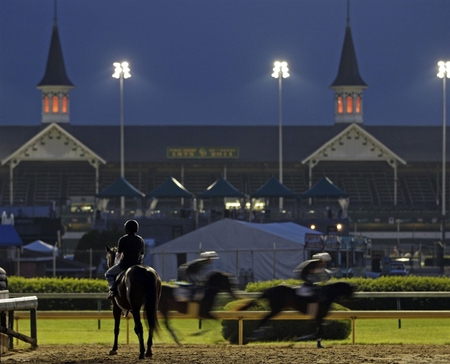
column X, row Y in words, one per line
column 131, row 250
column 311, row 272
column 196, row 271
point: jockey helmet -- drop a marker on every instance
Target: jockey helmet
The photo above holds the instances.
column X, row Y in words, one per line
column 209, row 254
column 131, row 226
column 325, row 257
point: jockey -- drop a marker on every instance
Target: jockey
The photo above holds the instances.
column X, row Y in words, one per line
column 130, row 251
column 196, row 271
column 311, row 272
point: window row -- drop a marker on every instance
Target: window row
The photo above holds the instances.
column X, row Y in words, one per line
column 351, row 104
column 56, row 104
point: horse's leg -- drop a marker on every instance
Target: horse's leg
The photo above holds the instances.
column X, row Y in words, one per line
column 116, row 314
column 138, row 329
column 165, row 313
column 260, row 330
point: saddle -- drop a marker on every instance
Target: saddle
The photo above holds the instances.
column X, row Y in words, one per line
column 186, row 292
column 310, row 293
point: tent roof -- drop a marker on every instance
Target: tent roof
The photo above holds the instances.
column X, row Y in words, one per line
column 120, row 187
column 228, row 234
column 221, row 188
column 9, row 236
column 273, row 188
column 40, row 247
column 170, row 188
column 324, row 188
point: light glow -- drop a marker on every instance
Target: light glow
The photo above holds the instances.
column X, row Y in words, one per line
column 444, row 69
column 281, row 68
column 121, row 70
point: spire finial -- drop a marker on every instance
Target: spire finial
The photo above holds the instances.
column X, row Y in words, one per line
column 348, row 13
column 56, row 13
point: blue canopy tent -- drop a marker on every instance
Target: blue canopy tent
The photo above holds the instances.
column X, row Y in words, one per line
column 273, row 188
column 326, row 189
column 221, row 188
column 38, row 246
column 119, row 188
column 170, row 188
column 9, row 237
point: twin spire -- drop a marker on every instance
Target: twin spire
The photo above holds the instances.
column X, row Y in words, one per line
column 348, row 86
column 55, row 84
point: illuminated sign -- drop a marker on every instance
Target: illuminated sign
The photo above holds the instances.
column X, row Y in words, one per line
column 202, row 152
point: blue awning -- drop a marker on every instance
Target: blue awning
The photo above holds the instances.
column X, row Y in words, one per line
column 9, row 236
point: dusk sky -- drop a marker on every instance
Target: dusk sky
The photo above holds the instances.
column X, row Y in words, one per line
column 209, row 62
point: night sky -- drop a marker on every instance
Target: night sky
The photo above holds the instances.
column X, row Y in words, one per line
column 209, row 62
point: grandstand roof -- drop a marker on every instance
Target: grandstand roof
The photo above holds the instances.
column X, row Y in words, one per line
column 255, row 143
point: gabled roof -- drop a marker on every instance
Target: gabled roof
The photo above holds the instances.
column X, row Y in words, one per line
column 9, row 236
column 353, row 144
column 120, row 188
column 348, row 74
column 53, row 143
column 273, row 188
column 221, row 188
column 324, row 189
column 170, row 188
column 55, row 73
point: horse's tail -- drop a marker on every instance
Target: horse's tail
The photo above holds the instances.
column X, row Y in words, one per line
column 152, row 295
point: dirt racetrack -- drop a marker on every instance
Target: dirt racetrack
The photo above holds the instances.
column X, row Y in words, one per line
column 225, row 354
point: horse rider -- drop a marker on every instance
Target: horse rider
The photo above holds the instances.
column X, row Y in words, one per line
column 311, row 272
column 130, row 251
column 196, row 271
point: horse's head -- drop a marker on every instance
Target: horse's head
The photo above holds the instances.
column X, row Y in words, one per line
column 110, row 256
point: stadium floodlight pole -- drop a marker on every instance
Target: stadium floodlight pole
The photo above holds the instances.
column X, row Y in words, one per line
column 280, row 71
column 444, row 73
column 121, row 71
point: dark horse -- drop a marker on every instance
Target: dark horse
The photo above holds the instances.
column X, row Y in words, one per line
column 217, row 282
column 138, row 286
column 283, row 297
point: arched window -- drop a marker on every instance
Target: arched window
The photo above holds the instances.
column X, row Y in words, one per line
column 64, row 105
column 46, row 104
column 340, row 105
column 349, row 105
column 358, row 105
column 55, row 104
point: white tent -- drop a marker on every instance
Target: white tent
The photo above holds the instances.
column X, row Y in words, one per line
column 266, row 251
column 39, row 246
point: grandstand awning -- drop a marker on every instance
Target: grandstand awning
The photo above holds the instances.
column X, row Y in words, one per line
column 170, row 188
column 273, row 188
column 120, row 188
column 324, row 189
column 9, row 236
column 221, row 188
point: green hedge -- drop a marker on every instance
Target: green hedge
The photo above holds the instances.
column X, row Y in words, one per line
column 283, row 330
column 62, row 285
column 382, row 284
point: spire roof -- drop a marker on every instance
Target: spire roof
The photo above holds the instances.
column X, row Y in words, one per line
column 55, row 73
column 348, row 74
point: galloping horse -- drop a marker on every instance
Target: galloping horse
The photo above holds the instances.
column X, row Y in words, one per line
column 138, row 286
column 283, row 297
column 217, row 282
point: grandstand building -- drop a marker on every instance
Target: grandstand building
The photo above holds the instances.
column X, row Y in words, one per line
column 391, row 173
